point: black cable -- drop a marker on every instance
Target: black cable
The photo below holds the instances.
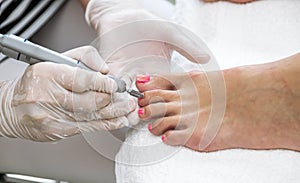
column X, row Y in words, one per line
column 36, row 17
column 5, row 13
column 13, row 6
column 2, row 176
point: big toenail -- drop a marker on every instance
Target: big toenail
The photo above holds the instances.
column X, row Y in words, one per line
column 142, row 78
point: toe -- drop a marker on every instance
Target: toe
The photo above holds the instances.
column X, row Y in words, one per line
column 145, row 83
column 164, row 82
column 162, row 125
column 159, row 110
column 156, row 96
column 175, row 137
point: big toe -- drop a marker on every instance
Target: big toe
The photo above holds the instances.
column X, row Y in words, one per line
column 146, row 83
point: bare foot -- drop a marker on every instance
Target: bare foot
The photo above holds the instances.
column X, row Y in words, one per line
column 261, row 110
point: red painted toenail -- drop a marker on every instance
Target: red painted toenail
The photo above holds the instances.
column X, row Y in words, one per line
column 142, row 78
column 141, row 111
column 150, row 126
column 163, row 138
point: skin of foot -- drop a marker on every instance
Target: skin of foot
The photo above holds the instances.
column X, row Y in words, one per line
column 262, row 107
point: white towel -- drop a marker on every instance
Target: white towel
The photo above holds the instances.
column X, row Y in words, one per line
column 258, row 32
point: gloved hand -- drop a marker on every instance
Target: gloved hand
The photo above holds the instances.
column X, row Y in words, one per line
column 53, row 101
column 106, row 15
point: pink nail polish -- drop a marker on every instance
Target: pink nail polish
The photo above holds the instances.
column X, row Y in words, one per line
column 150, row 126
column 163, row 138
column 142, row 78
column 141, row 111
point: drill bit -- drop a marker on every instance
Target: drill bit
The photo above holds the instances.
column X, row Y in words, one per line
column 135, row 93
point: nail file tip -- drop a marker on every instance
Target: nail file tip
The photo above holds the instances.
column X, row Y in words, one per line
column 135, row 93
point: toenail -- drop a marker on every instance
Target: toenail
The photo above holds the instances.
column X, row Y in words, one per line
column 141, row 111
column 163, row 138
column 150, row 126
column 142, row 78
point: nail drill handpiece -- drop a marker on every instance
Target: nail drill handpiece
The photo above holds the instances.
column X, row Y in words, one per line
column 26, row 51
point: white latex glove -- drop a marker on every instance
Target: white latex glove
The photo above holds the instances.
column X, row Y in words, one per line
column 105, row 15
column 53, row 101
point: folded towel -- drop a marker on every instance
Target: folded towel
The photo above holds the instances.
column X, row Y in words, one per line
column 254, row 33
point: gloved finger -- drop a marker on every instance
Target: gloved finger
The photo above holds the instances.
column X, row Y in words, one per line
column 89, row 56
column 186, row 44
column 113, row 110
column 108, row 124
column 117, row 109
column 90, row 101
column 87, row 80
column 189, row 51
column 80, row 81
column 59, row 128
column 82, row 102
column 133, row 117
column 174, row 36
